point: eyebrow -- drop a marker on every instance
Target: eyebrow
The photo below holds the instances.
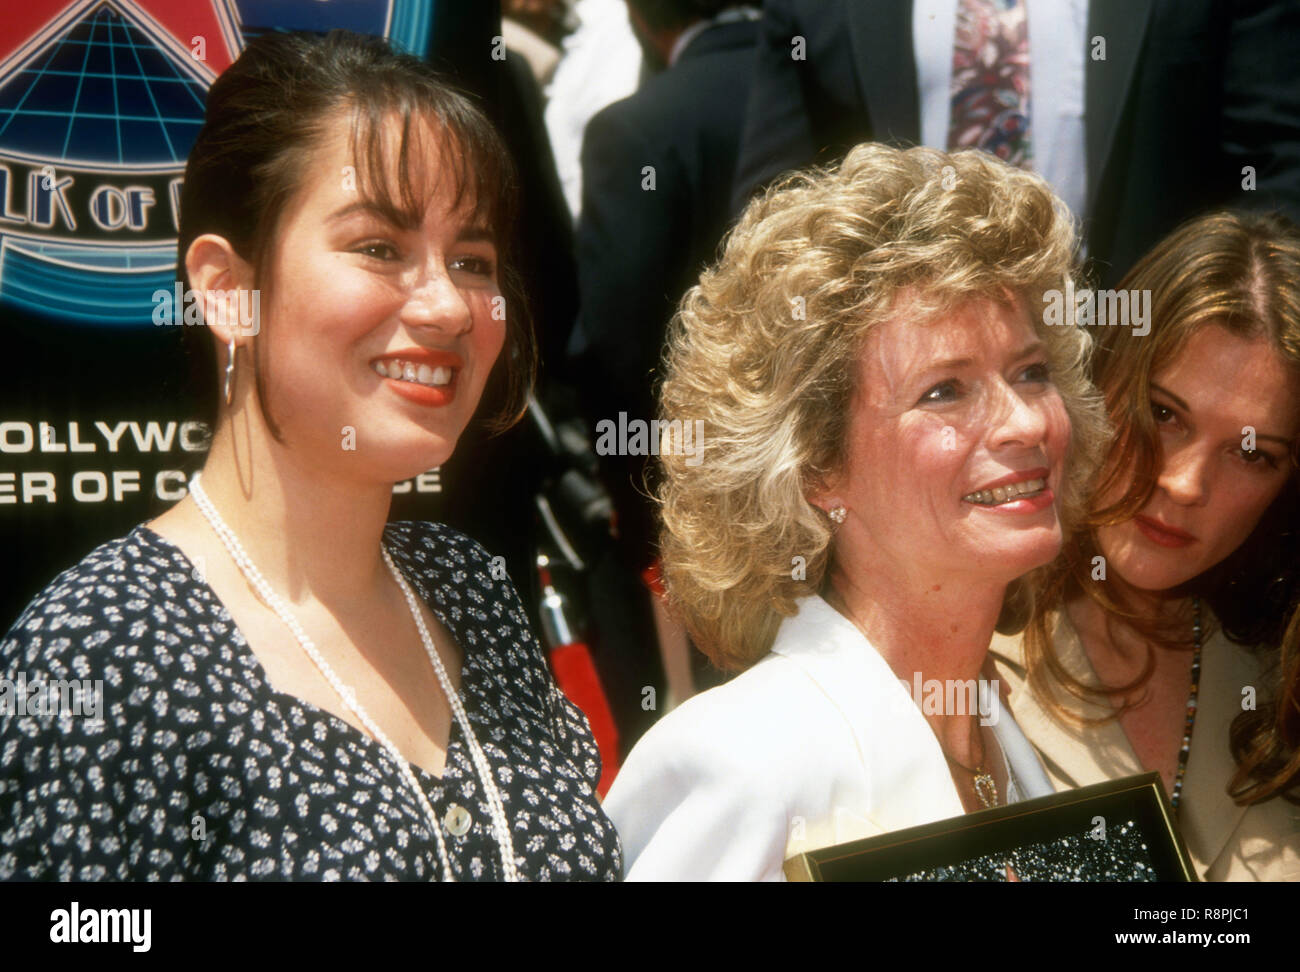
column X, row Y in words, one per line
column 949, row 363
column 390, row 214
column 1186, row 408
column 474, row 233
column 477, row 234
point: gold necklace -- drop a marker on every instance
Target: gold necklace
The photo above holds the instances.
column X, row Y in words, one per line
column 986, row 788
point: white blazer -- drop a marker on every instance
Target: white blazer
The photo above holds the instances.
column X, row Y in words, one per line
column 816, row 744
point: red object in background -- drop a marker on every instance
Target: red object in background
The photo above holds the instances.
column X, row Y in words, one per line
column 575, row 673
column 652, row 577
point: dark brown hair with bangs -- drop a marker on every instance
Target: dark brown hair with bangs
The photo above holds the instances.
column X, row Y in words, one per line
column 1240, row 271
column 270, row 110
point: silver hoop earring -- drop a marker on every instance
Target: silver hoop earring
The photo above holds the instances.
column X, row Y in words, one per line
column 837, row 514
column 230, row 368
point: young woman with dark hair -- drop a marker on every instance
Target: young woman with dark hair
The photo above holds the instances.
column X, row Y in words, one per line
column 1161, row 638
column 294, row 688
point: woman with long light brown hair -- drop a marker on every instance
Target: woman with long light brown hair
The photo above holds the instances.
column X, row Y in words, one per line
column 1138, row 656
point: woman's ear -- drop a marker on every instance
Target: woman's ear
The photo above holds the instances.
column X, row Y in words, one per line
column 826, row 502
column 825, row 494
column 221, row 280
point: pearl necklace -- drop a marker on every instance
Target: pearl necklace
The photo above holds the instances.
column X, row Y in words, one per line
column 500, row 824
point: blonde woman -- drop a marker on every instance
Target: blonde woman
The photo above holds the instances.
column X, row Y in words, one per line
column 1135, row 657
column 892, row 438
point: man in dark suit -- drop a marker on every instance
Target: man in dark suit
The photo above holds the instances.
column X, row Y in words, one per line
column 656, row 175
column 657, row 170
column 1186, row 104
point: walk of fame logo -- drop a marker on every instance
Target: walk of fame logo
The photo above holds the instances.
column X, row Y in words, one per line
column 100, row 102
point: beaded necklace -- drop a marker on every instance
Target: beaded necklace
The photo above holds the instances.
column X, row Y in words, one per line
column 1189, row 722
column 460, row 824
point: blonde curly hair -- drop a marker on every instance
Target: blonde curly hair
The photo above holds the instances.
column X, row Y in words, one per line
column 764, row 349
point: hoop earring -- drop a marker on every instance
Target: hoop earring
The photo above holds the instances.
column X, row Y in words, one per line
column 837, row 514
column 230, row 368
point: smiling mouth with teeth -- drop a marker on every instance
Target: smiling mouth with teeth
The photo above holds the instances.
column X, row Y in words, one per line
column 420, row 374
column 1006, row 494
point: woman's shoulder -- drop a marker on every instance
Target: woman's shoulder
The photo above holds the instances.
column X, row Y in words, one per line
column 709, row 792
column 744, row 726
column 435, row 538
column 817, row 681
column 446, row 553
column 472, row 592
column 455, row 571
column 117, row 585
column 118, row 559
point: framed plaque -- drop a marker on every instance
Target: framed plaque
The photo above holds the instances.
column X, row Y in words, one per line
column 1117, row 831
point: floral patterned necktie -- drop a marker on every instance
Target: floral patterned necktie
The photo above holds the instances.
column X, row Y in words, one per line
column 990, row 80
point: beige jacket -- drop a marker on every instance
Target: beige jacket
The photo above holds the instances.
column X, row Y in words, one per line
column 1226, row 842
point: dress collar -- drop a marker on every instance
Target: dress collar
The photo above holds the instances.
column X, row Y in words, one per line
column 907, row 775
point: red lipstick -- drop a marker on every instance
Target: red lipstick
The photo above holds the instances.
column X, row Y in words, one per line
column 430, row 395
